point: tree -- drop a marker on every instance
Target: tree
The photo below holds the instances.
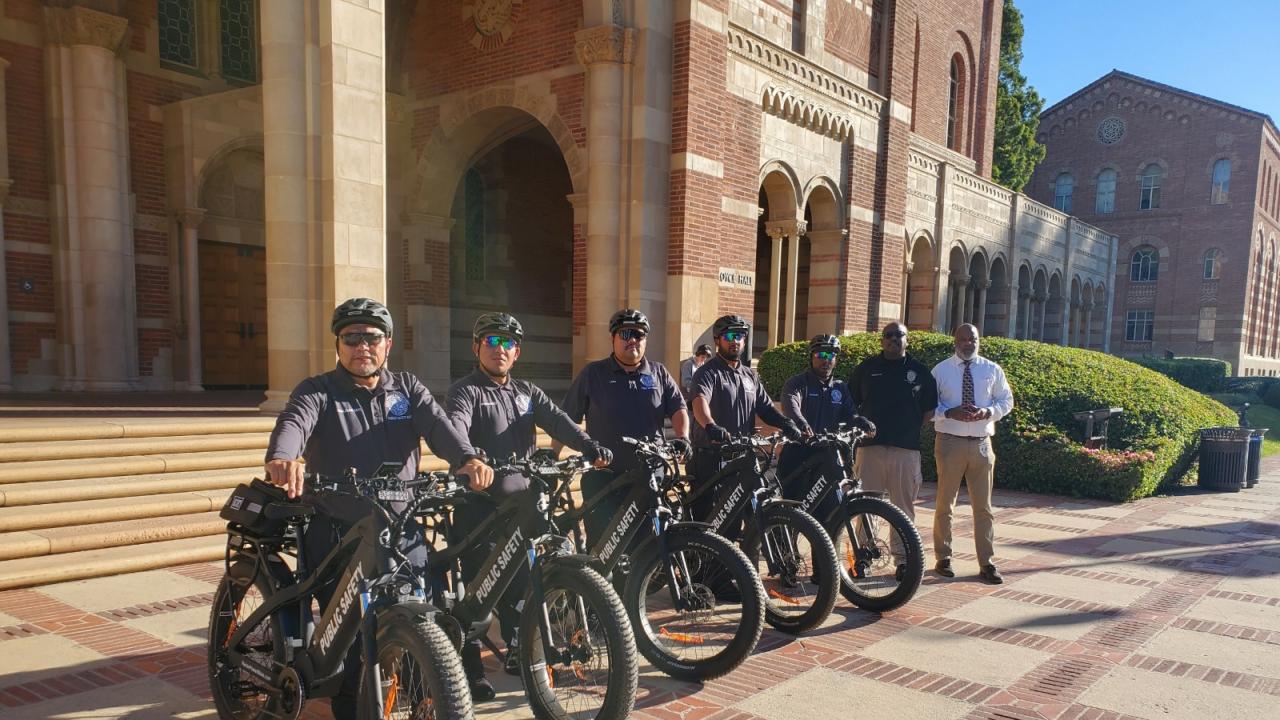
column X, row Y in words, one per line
column 1018, row 107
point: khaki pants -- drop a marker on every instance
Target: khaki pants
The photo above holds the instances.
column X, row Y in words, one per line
column 893, row 470
column 974, row 461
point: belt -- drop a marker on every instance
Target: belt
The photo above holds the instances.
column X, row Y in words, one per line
column 964, row 437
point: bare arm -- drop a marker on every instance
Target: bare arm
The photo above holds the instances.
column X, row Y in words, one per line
column 702, row 411
column 680, row 423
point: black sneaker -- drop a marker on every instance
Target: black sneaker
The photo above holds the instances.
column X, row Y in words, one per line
column 943, row 568
column 990, row 575
column 482, row 690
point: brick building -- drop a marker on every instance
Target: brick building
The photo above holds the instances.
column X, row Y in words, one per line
column 192, row 185
column 1192, row 186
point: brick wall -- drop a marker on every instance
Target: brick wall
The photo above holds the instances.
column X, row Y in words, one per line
column 852, row 36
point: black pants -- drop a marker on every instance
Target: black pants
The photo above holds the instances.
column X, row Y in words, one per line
column 321, row 536
column 466, row 519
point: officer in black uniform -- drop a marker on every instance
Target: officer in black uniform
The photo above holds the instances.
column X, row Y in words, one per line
column 624, row 395
column 500, row 416
column 818, row 403
column 727, row 397
column 360, row 415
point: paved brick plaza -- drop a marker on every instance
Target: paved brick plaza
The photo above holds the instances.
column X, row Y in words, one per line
column 1165, row 608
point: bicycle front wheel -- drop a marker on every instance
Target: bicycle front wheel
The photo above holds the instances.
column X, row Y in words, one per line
column 239, row 695
column 879, row 554
column 419, row 674
column 587, row 668
column 797, row 566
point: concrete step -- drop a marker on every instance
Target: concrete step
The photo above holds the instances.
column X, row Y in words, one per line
column 86, row 512
column 21, row 430
column 55, row 541
column 124, row 447
column 44, row 470
column 49, row 569
column 137, row 486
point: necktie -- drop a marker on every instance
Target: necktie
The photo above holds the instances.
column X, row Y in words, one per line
column 966, row 387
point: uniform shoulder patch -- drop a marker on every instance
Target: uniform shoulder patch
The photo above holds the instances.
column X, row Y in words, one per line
column 397, row 405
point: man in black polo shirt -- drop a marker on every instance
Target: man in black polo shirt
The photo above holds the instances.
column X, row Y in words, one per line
column 500, row 415
column 727, row 397
column 817, row 402
column 623, row 395
column 899, row 395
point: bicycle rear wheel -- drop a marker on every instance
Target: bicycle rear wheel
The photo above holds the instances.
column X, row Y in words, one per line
column 879, row 554
column 596, row 672
column 238, row 695
column 797, row 566
column 420, row 674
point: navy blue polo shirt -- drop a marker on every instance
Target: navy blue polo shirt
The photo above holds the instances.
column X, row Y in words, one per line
column 617, row 403
column 816, row 404
column 735, row 395
column 503, row 419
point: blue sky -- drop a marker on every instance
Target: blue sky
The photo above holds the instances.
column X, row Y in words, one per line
column 1225, row 49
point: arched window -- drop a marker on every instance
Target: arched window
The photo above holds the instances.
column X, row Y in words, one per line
column 1145, row 266
column 1212, row 264
column 1221, row 182
column 1106, row 200
column 1063, row 187
column 1152, row 176
column 954, row 103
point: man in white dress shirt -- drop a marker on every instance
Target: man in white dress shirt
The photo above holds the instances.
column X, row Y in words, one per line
column 972, row 395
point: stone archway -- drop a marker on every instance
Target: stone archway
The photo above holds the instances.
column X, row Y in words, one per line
column 957, row 287
column 995, row 319
column 922, row 285
column 817, row 297
column 1055, row 304
column 779, row 224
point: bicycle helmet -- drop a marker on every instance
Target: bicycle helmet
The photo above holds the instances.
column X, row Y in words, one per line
column 361, row 311
column 628, row 317
column 497, row 322
column 729, row 322
column 824, row 342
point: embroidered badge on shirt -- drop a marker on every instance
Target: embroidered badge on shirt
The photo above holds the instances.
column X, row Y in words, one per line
column 397, row 406
column 523, row 404
column 646, row 382
column 747, row 385
column 911, row 376
column 835, row 396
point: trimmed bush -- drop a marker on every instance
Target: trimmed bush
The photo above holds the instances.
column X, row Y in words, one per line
column 1204, row 374
column 1255, row 386
column 1272, row 395
column 1038, row 445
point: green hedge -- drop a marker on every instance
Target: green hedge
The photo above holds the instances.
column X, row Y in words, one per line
column 1271, row 395
column 1038, row 444
column 1204, row 374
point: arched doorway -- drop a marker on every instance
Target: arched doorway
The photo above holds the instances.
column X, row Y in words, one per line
column 958, row 285
column 975, row 302
column 1053, row 311
column 820, row 263
column 778, row 234
column 511, row 250
column 233, row 272
column 996, row 318
column 921, row 285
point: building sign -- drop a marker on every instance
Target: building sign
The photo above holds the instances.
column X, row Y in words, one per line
column 740, row 279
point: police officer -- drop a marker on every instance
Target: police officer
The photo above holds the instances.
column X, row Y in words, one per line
column 500, row 416
column 727, row 397
column 359, row 415
column 817, row 402
column 624, row 395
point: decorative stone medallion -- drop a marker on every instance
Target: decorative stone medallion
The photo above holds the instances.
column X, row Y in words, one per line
column 494, row 21
column 1110, row 130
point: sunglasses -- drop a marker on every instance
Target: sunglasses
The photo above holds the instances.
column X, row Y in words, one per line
column 825, row 355
column 895, row 335
column 354, row 339
column 496, row 341
column 734, row 336
column 629, row 334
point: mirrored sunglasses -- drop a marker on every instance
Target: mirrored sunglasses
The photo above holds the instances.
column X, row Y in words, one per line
column 629, row 334
column 354, row 339
column 735, row 336
column 495, row 341
column 825, row 355
column 895, row 335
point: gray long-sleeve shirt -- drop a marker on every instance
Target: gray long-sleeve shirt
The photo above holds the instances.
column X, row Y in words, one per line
column 502, row 420
column 336, row 424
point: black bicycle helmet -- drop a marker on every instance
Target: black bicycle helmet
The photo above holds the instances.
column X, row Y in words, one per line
column 628, row 317
column 824, row 342
column 729, row 322
column 497, row 322
column 361, row 311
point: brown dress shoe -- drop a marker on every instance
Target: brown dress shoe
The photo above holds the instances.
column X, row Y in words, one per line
column 991, row 575
column 943, row 568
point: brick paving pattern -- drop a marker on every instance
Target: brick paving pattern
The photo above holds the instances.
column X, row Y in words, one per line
column 1163, row 608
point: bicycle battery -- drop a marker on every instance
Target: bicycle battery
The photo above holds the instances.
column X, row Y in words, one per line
column 247, row 507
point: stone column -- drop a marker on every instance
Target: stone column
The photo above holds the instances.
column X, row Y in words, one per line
column 96, row 302
column 6, row 367
column 604, row 50
column 960, row 291
column 426, row 299
column 1086, row 310
column 793, row 277
column 1023, row 331
column 324, row 129
column 189, row 219
column 775, row 284
column 1041, row 305
column 941, row 287
column 980, row 304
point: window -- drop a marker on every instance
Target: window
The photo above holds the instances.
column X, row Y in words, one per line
column 176, row 26
column 1106, row 200
column 238, row 40
column 1208, row 322
column 1221, row 181
column 1145, row 266
column 1212, row 264
column 1062, row 189
column 953, row 105
column 797, row 26
column 1151, row 178
column 1138, row 325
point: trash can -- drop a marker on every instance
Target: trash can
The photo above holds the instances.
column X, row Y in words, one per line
column 1224, row 458
column 1255, row 456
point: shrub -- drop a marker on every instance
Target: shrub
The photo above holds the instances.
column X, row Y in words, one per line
column 1204, row 374
column 1272, row 396
column 1038, row 444
column 1256, row 386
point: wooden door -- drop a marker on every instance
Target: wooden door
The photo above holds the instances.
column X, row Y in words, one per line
column 233, row 315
